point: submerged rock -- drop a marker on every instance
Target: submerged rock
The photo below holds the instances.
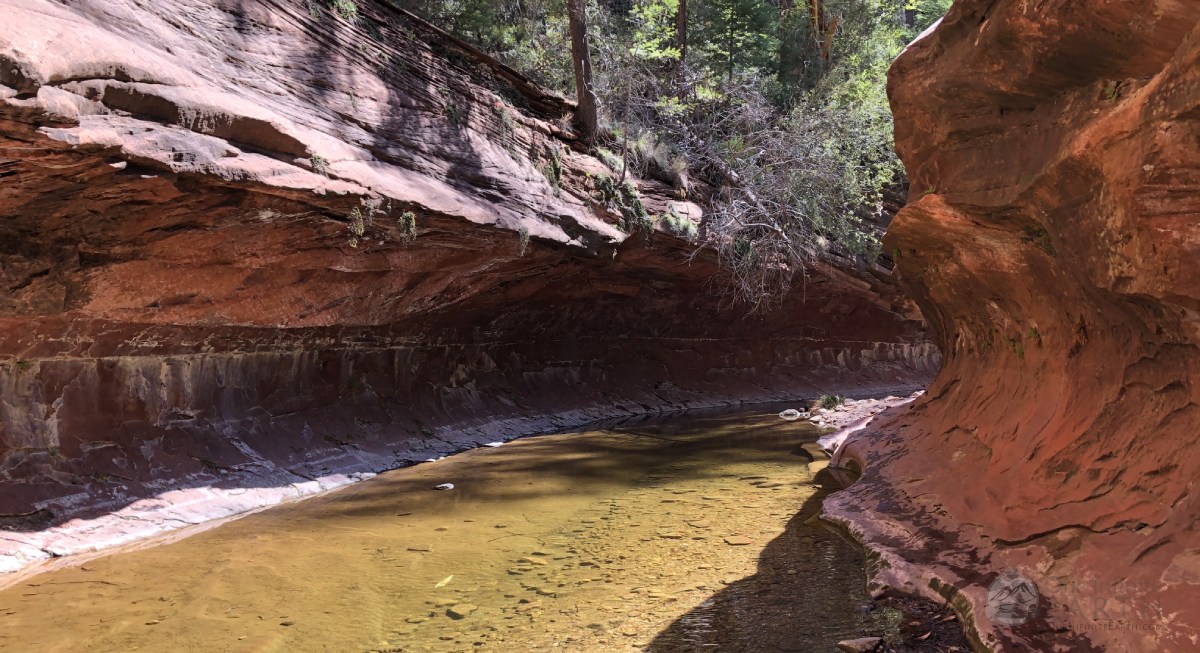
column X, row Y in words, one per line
column 461, row 611
column 860, row 645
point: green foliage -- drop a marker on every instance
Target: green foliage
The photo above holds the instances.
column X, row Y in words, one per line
column 736, row 35
column 522, row 241
column 358, row 226
column 830, row 402
column 346, row 9
column 1040, row 237
column 609, row 159
column 407, row 225
column 678, row 225
column 653, row 36
column 319, row 164
column 1014, row 343
column 926, row 13
column 1113, row 90
column 527, row 35
column 784, row 115
column 625, row 199
column 553, row 170
column 453, row 114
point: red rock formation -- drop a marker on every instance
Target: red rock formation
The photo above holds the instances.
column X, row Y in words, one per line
column 1052, row 241
column 207, row 213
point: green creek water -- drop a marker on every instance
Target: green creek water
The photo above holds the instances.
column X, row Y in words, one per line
column 680, row 534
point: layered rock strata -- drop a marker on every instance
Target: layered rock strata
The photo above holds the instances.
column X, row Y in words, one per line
column 252, row 249
column 1052, row 241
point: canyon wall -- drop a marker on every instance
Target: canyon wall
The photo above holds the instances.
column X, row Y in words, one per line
column 1052, row 240
column 253, row 244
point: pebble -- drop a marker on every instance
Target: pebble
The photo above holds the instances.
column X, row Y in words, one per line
column 444, row 486
column 738, row 540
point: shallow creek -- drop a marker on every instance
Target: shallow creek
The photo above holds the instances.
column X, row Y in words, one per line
column 690, row 533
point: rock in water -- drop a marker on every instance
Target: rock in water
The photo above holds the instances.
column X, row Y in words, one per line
column 791, row 414
column 461, row 611
column 444, row 486
column 860, row 645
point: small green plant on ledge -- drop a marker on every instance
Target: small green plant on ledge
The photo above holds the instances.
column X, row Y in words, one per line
column 1015, row 344
column 358, row 227
column 319, row 165
column 623, row 196
column 522, row 241
column 1039, row 237
column 678, row 225
column 829, row 402
column 609, row 159
column 553, row 171
column 1112, row 90
column 347, row 9
column 210, row 465
column 452, row 113
column 407, row 224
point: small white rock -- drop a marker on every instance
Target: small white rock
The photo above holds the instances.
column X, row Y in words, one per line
column 444, row 486
column 493, row 444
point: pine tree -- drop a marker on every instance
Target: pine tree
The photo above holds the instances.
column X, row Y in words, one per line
column 735, row 35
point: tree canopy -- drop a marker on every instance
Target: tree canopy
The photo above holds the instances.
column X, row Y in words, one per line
column 780, row 106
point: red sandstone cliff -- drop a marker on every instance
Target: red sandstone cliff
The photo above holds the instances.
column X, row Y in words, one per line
column 1053, row 241
column 211, row 277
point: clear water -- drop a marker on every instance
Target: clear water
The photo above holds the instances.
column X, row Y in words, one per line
column 689, row 534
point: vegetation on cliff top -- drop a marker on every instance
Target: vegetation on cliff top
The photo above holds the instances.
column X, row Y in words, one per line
column 780, row 106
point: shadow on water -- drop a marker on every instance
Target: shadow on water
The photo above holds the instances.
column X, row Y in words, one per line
column 641, row 442
column 807, row 594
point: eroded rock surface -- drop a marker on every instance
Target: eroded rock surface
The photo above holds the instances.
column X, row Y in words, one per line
column 1051, row 240
column 251, row 249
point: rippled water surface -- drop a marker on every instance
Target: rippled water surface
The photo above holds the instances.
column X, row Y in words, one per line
column 685, row 534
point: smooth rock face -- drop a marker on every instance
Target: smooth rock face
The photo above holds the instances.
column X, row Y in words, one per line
column 207, row 213
column 1052, row 241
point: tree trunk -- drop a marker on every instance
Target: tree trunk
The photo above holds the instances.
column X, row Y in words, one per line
column 681, row 31
column 586, row 115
